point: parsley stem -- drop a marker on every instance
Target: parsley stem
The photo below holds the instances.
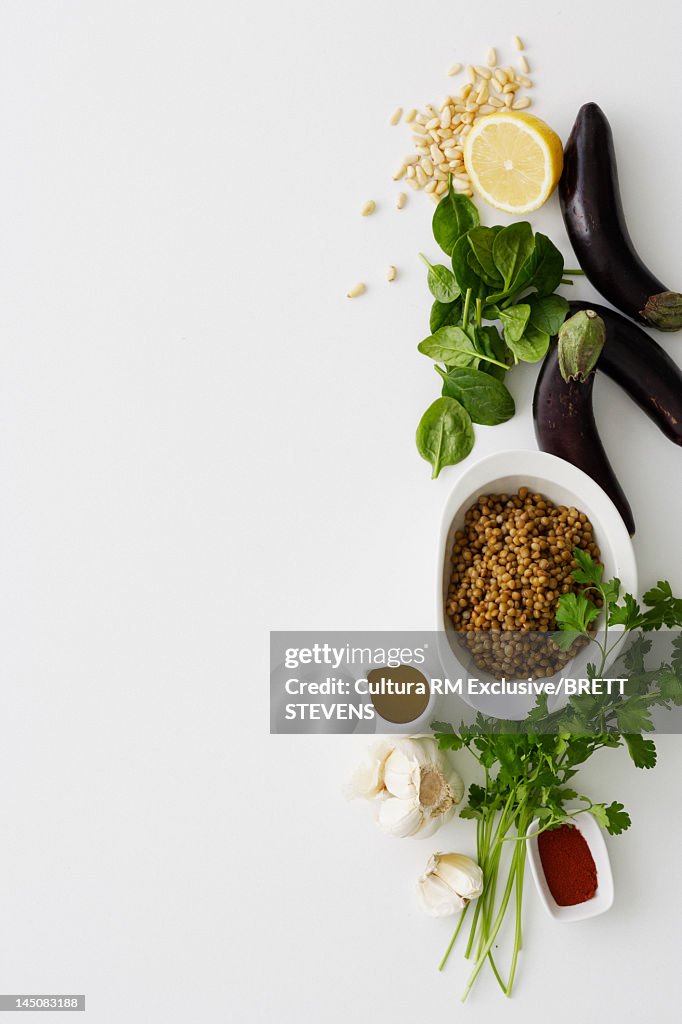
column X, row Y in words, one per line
column 496, row 927
column 454, row 938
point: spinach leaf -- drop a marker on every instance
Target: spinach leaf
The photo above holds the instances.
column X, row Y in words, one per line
column 549, row 265
column 514, row 320
column 489, row 341
column 485, row 399
column 445, row 434
column 445, row 314
column 453, row 217
column 532, row 346
column 512, row 247
column 481, row 242
column 464, row 272
column 449, row 345
column 547, row 312
column 442, row 283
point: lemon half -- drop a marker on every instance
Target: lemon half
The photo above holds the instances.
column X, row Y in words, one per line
column 514, row 160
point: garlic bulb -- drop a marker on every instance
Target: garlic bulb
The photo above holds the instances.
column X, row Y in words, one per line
column 417, row 786
column 450, row 881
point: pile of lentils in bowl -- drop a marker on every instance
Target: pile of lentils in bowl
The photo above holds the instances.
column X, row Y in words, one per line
column 510, row 564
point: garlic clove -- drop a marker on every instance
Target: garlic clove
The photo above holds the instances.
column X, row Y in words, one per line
column 430, row 825
column 437, row 898
column 450, row 881
column 399, row 818
column 462, row 874
column 401, row 774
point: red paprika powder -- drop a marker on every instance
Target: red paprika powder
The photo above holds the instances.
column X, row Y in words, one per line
column 568, row 865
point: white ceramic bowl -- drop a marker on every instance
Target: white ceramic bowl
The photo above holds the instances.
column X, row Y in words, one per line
column 504, row 472
column 602, row 899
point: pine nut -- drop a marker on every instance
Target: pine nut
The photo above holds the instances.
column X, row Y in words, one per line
column 435, row 150
column 511, row 87
column 426, row 166
column 434, row 198
column 356, row 290
column 500, row 76
column 440, row 175
column 523, row 64
column 422, row 150
column 368, row 207
column 518, row 43
column 396, row 115
column 509, row 99
column 525, row 82
column 467, row 118
column 455, row 69
column 451, row 153
column 521, row 104
column 412, row 158
column 410, row 115
column 400, row 172
column 421, row 119
column 433, row 123
column 482, row 94
column 413, row 183
column 391, row 273
column 495, row 103
column 486, row 109
column 430, row 187
column 465, row 90
column 400, row 200
column 484, row 72
column 491, row 58
column 445, row 118
column 430, row 109
column 410, row 171
column 441, row 188
column 421, row 177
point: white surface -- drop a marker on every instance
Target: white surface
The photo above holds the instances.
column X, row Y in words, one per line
column 201, row 439
column 604, row 895
column 505, row 472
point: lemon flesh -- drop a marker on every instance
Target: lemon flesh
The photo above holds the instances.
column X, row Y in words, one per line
column 514, row 160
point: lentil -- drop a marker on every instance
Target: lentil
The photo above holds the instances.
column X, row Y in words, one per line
column 510, row 564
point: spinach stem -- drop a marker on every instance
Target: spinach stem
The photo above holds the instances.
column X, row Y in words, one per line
column 467, row 306
column 566, row 281
column 574, row 273
column 423, row 258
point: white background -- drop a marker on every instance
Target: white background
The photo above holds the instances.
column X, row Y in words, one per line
column 201, row 439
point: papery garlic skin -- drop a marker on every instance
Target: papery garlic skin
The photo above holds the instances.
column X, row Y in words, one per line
column 367, row 780
column 450, row 881
column 416, row 784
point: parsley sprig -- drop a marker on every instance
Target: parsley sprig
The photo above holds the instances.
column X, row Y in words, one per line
column 529, row 767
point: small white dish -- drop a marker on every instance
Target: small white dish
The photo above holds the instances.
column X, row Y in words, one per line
column 503, row 473
column 602, row 899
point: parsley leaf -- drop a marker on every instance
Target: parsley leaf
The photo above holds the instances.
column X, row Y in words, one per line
column 642, row 752
column 575, row 612
column 588, row 570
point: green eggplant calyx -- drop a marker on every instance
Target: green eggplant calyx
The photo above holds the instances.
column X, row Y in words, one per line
column 581, row 339
column 664, row 311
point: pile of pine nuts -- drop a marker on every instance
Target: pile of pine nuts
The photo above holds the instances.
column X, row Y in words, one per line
column 439, row 134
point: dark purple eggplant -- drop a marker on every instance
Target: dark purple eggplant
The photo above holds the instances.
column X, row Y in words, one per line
column 642, row 368
column 593, row 214
column 565, row 426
